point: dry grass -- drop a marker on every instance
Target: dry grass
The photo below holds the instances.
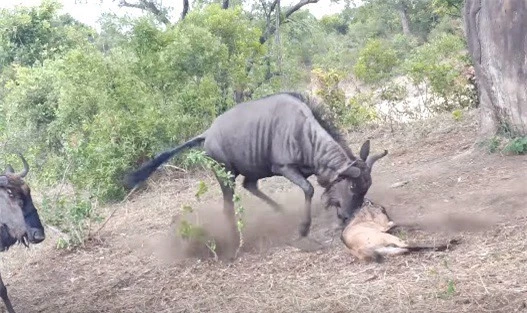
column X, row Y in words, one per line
column 138, row 264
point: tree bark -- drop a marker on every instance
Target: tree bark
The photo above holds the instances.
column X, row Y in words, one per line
column 185, row 9
column 403, row 13
column 497, row 42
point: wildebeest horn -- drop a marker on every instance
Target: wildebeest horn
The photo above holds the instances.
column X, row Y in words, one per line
column 9, row 169
column 24, row 172
column 373, row 158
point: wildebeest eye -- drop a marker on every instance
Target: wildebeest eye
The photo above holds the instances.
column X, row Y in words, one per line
column 10, row 193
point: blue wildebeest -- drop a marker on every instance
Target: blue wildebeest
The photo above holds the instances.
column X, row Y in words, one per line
column 281, row 135
column 19, row 219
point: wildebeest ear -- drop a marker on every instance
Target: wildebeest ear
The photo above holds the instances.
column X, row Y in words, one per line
column 9, row 169
column 350, row 171
column 365, row 150
column 4, row 181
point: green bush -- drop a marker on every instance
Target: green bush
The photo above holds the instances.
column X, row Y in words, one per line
column 357, row 111
column 102, row 114
column 376, row 62
column 73, row 217
column 30, row 35
column 440, row 65
column 517, row 146
column 360, row 110
column 332, row 95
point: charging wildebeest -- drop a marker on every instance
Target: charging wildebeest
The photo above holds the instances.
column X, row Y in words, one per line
column 281, row 135
column 19, row 219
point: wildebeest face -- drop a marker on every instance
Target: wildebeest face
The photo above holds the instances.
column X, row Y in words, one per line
column 347, row 193
column 13, row 226
column 19, row 219
column 349, row 188
column 35, row 230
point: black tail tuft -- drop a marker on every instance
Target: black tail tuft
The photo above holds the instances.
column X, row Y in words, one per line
column 133, row 179
column 443, row 247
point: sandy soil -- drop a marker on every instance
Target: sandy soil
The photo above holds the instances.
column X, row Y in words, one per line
column 443, row 181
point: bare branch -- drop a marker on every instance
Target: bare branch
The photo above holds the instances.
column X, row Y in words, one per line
column 271, row 29
column 273, row 6
column 298, row 6
column 149, row 6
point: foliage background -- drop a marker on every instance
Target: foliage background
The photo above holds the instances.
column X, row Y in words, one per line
column 84, row 106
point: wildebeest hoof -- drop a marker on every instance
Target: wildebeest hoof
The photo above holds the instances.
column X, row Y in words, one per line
column 304, row 229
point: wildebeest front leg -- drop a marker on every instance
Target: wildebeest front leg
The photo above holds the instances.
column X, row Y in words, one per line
column 5, row 298
column 252, row 186
column 298, row 179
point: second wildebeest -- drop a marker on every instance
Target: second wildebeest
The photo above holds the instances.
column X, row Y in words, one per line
column 19, row 219
column 281, row 135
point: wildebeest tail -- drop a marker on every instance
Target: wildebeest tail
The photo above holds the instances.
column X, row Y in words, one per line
column 140, row 175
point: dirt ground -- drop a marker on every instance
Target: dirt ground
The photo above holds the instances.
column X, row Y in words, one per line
column 443, row 181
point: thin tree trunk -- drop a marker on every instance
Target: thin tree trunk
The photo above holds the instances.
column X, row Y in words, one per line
column 277, row 41
column 185, row 9
column 497, row 41
column 405, row 21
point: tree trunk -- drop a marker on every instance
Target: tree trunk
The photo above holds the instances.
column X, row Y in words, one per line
column 403, row 13
column 497, row 41
column 185, row 9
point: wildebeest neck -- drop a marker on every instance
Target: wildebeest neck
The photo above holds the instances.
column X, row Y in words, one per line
column 329, row 156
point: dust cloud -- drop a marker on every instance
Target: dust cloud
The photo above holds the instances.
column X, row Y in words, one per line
column 264, row 228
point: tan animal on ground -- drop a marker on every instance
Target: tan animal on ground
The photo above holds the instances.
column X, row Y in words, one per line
column 367, row 239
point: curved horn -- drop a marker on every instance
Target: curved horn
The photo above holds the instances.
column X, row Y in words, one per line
column 24, row 172
column 9, row 169
column 373, row 158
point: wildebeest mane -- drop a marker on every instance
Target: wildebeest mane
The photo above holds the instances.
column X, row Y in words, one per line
column 326, row 121
column 324, row 118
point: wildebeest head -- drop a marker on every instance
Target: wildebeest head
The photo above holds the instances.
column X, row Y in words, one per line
column 19, row 219
column 347, row 189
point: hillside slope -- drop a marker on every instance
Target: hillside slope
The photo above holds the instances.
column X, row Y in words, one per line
column 452, row 188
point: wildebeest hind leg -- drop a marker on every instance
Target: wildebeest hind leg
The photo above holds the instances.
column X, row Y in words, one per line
column 252, row 186
column 228, row 210
column 5, row 298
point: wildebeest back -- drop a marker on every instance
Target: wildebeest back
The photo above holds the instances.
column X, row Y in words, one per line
column 252, row 136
